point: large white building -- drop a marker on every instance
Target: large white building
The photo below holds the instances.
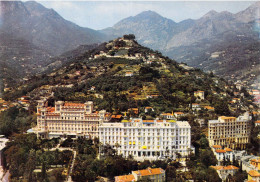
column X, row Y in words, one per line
column 68, row 119
column 147, row 139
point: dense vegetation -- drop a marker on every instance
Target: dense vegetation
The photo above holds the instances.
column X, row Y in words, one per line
column 25, row 153
column 15, row 120
column 172, row 84
column 110, row 164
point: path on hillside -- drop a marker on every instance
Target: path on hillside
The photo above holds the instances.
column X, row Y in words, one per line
column 69, row 179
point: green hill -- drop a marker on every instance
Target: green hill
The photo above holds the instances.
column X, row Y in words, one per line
column 122, row 74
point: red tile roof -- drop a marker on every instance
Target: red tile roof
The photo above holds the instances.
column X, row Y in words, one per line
column 254, row 173
column 230, row 167
column 69, row 104
column 149, row 171
column 220, row 151
column 255, row 160
column 50, row 109
column 125, row 178
column 117, row 116
column 228, row 150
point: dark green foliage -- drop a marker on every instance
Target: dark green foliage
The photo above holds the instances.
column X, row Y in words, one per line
column 129, row 37
column 88, row 167
column 34, row 82
column 204, row 142
column 56, row 175
column 221, row 108
column 120, row 43
column 148, row 74
column 67, row 143
column 25, row 152
column 254, row 144
column 240, row 176
column 15, row 120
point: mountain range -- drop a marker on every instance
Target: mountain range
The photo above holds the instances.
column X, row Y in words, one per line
column 195, row 42
column 32, row 34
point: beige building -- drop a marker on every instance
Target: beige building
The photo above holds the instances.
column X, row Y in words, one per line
column 68, row 119
column 229, row 132
column 154, row 174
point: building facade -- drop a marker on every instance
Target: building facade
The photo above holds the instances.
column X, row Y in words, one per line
column 68, row 119
column 147, row 139
column 229, row 132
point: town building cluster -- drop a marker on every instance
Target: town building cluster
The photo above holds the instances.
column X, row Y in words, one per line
column 142, row 139
column 251, row 164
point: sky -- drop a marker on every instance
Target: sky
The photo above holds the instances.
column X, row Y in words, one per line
column 102, row 14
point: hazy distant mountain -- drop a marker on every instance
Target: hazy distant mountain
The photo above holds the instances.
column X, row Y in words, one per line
column 193, row 41
column 19, row 58
column 45, row 34
column 31, row 34
column 210, row 25
column 161, row 33
column 250, row 14
column 44, row 27
column 150, row 28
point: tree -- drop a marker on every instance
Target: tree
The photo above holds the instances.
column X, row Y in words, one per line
column 129, row 37
column 221, row 108
column 30, row 166
column 204, row 142
column 170, row 173
column 56, row 175
column 43, row 172
column 212, row 175
column 207, row 158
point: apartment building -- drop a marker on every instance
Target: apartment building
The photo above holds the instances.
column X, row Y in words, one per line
column 147, row 139
column 229, row 132
column 68, row 119
column 153, row 174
